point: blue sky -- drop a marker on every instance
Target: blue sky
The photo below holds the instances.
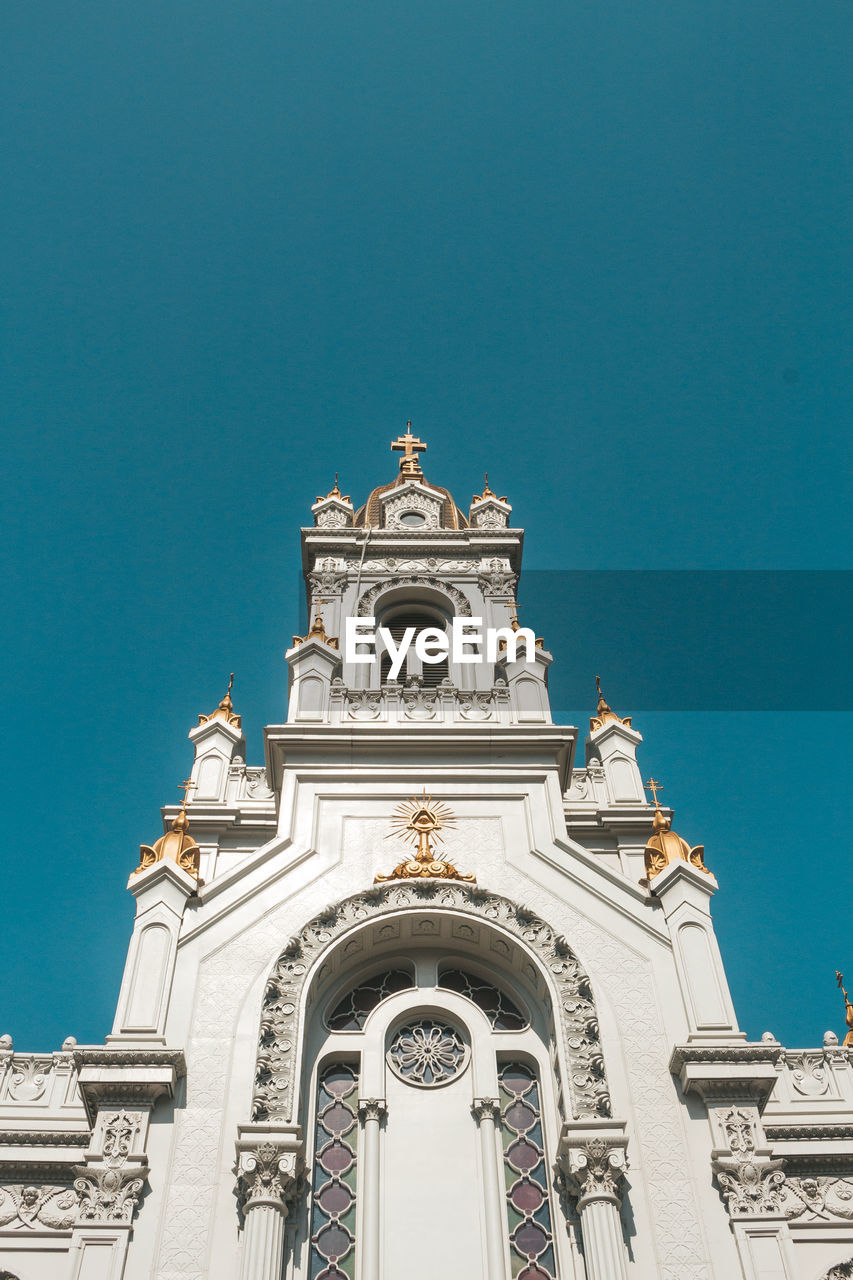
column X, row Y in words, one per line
column 600, row 250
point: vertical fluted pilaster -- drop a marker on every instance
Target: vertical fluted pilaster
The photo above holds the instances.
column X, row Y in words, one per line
column 487, row 1112
column 593, row 1160
column 269, row 1179
column 371, row 1112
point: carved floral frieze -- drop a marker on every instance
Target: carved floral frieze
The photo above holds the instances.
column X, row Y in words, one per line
column 575, row 1010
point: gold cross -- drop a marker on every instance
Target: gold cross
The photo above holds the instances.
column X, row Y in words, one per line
column 189, row 785
column 408, row 444
column 654, row 787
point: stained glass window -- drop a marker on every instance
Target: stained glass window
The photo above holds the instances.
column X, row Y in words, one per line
column 427, row 1052
column 528, row 1209
column 496, row 1005
column 350, row 1014
column 334, row 1181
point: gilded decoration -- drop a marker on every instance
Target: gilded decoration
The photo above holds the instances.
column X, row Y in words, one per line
column 848, row 1010
column 225, row 710
column 666, row 846
column 334, row 492
column 487, row 493
column 419, row 821
column 604, row 714
column 317, row 631
column 176, row 845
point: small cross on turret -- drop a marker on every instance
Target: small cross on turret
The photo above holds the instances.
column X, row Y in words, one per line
column 410, row 446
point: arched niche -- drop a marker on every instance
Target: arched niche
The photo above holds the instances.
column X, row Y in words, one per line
column 392, row 921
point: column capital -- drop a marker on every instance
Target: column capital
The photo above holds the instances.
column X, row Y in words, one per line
column 486, row 1109
column 270, row 1166
column 372, row 1108
column 593, row 1158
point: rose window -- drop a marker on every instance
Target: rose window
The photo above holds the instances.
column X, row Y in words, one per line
column 427, row 1053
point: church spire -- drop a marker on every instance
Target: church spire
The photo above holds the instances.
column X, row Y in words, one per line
column 665, row 845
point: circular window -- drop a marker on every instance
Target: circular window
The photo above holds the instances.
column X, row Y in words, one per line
column 413, row 518
column 427, row 1053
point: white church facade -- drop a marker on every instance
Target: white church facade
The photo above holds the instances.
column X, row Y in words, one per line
column 433, row 993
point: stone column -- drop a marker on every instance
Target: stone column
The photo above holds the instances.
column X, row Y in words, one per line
column 487, row 1112
column 593, row 1160
column 270, row 1169
column 371, row 1112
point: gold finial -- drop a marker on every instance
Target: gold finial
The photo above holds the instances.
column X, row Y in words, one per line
column 848, row 1011
column 515, row 625
column 317, row 631
column 604, row 713
column 177, row 845
column 410, row 446
column 419, row 821
column 654, row 786
column 487, row 493
column 334, row 492
column 225, row 710
column 665, row 845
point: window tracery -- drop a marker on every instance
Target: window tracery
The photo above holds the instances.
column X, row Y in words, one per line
column 351, row 1012
column 334, row 1176
column 528, row 1208
column 427, row 1053
column 502, row 1013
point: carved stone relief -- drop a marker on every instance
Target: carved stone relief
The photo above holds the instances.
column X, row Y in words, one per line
column 28, row 1079
column 25, row 1207
column 751, row 1183
column 596, row 1169
column 411, row 500
column 109, row 1189
column 808, row 1074
column 475, row 704
column 818, row 1199
column 365, row 604
column 273, row 1099
column 841, row 1271
column 419, row 704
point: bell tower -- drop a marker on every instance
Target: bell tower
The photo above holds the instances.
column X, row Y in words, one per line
column 410, row 558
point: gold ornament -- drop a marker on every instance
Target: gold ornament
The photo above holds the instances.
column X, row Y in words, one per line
column 176, row 845
column 848, row 1009
column 225, row 710
column 603, row 712
column 419, row 821
column 666, row 846
column 317, row 632
column 410, row 446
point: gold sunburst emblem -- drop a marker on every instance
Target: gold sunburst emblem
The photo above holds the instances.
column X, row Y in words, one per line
column 420, row 821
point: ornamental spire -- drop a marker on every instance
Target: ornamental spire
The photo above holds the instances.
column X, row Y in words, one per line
column 848, row 1010
column 604, row 713
column 410, row 446
column 225, row 710
column 665, row 845
column 177, row 845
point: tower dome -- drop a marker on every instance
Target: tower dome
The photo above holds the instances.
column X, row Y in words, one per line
column 410, row 474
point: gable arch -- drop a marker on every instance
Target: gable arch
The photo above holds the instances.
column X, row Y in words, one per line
column 395, row 918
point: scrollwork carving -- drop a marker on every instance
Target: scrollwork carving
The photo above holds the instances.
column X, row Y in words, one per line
column 54, row 1207
column 575, row 1012
column 269, row 1174
column 460, row 600
column 595, row 1170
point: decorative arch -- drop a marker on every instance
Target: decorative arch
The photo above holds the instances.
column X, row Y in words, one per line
column 304, row 960
column 460, row 601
